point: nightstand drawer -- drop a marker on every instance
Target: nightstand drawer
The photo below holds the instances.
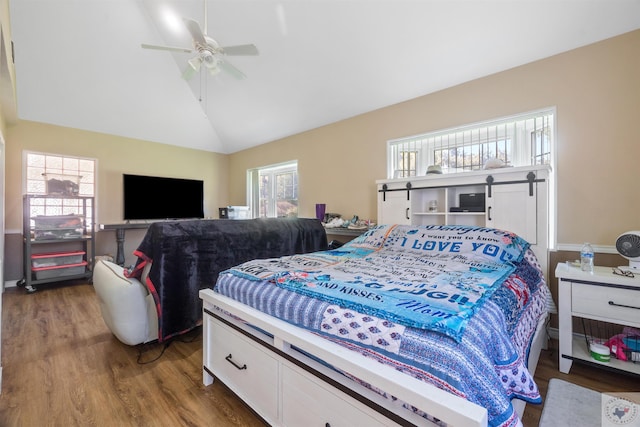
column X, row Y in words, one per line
column 610, row 303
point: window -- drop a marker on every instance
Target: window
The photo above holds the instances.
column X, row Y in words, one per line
column 38, row 167
column 406, row 165
column 520, row 140
column 273, row 190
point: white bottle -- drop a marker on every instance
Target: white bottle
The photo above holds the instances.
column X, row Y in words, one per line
column 586, row 258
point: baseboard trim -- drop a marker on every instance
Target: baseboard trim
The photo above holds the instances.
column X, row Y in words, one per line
column 554, row 334
column 10, row 284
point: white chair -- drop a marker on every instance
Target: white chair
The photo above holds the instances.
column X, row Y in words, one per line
column 127, row 307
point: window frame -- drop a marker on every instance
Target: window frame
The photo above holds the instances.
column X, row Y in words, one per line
column 510, row 128
column 523, row 154
column 59, row 205
column 273, row 171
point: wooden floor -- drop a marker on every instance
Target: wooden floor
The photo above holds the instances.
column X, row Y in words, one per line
column 582, row 374
column 62, row 367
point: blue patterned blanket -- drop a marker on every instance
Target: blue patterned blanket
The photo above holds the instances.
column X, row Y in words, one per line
column 432, row 277
column 486, row 365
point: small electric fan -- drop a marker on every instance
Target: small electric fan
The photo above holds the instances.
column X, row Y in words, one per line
column 628, row 245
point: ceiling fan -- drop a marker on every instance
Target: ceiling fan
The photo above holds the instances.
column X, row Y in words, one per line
column 208, row 53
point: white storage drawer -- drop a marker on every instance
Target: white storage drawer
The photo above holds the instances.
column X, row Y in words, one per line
column 589, row 301
column 244, row 367
column 300, row 397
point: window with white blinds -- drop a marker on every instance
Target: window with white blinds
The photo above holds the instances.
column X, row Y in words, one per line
column 521, row 140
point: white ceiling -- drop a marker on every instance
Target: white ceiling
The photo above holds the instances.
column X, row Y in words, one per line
column 79, row 62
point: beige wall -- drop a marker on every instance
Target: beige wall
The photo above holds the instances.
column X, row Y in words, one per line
column 115, row 155
column 596, row 90
column 3, row 125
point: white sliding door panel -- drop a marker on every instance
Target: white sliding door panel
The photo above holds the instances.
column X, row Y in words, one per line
column 512, row 208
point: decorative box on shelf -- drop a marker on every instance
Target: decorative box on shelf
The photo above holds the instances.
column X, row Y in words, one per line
column 62, row 185
column 56, row 259
column 57, row 227
column 59, row 271
column 238, row 212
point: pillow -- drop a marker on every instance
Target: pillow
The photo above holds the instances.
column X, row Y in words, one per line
column 491, row 244
column 371, row 239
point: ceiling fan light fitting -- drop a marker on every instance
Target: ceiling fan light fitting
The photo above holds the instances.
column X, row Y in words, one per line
column 195, row 63
column 207, row 57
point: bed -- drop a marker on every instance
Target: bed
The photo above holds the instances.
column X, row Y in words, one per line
column 404, row 325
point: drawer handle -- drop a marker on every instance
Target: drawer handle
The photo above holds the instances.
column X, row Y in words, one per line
column 228, row 359
column 622, row 305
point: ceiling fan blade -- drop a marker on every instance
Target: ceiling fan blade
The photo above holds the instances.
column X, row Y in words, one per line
column 195, row 31
column 188, row 72
column 169, row 48
column 241, row 49
column 226, row 66
column 214, row 70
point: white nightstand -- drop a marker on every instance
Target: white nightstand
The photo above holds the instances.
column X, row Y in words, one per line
column 601, row 296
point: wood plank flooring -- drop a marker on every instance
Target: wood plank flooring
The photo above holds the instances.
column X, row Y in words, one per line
column 62, row 367
column 604, row 381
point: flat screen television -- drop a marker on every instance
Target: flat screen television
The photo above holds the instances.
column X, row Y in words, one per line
column 154, row 197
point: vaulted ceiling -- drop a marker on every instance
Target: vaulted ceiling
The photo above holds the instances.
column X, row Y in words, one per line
column 79, row 63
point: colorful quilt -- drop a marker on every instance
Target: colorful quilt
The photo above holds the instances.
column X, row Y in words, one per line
column 433, row 277
column 485, row 363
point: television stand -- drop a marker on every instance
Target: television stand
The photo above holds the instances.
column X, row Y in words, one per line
column 120, row 230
